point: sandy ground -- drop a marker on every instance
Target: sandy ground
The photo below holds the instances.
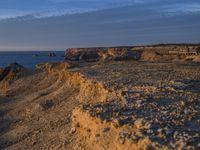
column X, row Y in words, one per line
column 36, row 114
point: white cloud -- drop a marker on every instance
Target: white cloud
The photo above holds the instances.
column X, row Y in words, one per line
column 181, row 9
column 64, row 7
column 9, row 13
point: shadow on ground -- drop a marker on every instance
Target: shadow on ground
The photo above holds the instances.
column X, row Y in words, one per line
column 5, row 122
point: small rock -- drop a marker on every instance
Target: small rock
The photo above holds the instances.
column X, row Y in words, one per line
column 122, row 138
column 106, row 129
column 160, row 131
column 149, row 131
column 182, row 103
column 168, row 131
column 73, row 130
column 139, row 102
column 138, row 123
column 116, row 123
column 186, row 111
column 175, row 134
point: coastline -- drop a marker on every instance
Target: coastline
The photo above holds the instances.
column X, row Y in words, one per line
column 112, row 103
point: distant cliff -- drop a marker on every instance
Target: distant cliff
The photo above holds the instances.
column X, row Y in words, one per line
column 148, row 52
column 96, row 54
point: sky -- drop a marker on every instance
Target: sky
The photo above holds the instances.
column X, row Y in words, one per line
column 60, row 24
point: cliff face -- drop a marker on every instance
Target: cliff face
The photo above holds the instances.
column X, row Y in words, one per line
column 75, row 54
column 96, row 54
column 146, row 53
column 10, row 72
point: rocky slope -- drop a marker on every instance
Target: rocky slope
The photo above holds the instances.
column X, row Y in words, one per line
column 36, row 111
column 11, row 73
column 157, row 107
column 103, row 105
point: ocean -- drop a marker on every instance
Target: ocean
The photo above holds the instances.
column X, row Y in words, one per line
column 29, row 59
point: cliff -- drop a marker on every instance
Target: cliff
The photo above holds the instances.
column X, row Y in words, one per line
column 100, row 54
column 148, row 53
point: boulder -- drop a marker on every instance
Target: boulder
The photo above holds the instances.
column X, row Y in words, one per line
column 51, row 54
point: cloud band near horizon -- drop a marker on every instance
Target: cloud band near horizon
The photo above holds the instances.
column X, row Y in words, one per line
column 58, row 24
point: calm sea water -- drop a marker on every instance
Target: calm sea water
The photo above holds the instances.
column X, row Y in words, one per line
column 29, row 59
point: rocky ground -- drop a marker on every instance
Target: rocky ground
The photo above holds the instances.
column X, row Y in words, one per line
column 158, row 104
column 103, row 105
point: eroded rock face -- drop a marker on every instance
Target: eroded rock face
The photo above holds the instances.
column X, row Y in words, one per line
column 153, row 53
column 75, row 54
column 11, row 72
column 96, row 54
column 153, row 116
column 56, row 65
column 119, row 54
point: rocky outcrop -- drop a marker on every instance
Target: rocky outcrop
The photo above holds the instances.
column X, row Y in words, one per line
column 11, row 72
column 101, row 133
column 88, row 90
column 52, row 54
column 119, row 54
column 58, row 65
column 96, row 54
column 168, row 52
column 89, row 54
column 154, row 116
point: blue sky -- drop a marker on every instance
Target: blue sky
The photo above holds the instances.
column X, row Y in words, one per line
column 58, row 24
column 46, row 8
